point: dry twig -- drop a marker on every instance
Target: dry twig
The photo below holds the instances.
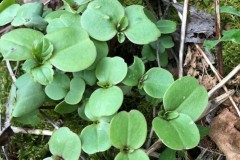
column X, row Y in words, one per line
column 218, row 77
column 154, row 147
column 218, row 36
column 183, row 31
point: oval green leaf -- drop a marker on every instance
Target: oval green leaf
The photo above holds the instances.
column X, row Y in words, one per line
column 77, row 88
column 136, row 155
column 53, row 15
column 29, row 96
column 59, row 87
column 65, row 108
column 101, row 18
column 75, row 51
column 7, row 15
column 88, row 76
column 102, row 51
column 128, row 130
column 178, row 134
column 95, row 138
column 104, row 102
column 16, row 47
column 157, row 82
column 66, row 144
column 29, row 14
column 65, row 20
column 186, row 96
column 135, row 72
column 111, row 70
column 166, row 26
column 140, row 29
column 6, row 3
column 168, row 154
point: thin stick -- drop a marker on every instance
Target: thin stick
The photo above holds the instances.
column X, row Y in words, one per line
column 6, row 29
column 150, row 138
column 160, row 14
column 183, row 32
column 4, row 153
column 154, row 147
column 179, row 14
column 218, row 77
column 31, row 131
column 157, row 53
column 218, row 36
column 224, row 80
column 49, row 120
column 209, row 150
column 150, row 7
column 10, row 71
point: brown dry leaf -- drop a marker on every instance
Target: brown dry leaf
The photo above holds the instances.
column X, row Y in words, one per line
column 207, row 81
column 225, row 135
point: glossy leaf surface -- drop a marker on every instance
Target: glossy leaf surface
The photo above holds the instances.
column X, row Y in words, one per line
column 166, row 26
column 136, row 155
column 65, row 143
column 29, row 96
column 186, row 96
column 16, row 47
column 101, row 18
column 111, row 70
column 105, row 102
column 8, row 14
column 64, row 108
column 128, row 130
column 76, row 90
column 135, row 72
column 140, row 29
column 95, row 138
column 65, row 20
column 178, row 134
column 75, row 51
column 59, row 87
column 157, row 82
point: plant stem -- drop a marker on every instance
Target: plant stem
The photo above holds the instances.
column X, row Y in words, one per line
column 157, row 53
column 179, row 14
column 6, row 29
column 10, row 70
column 4, row 153
column 218, row 36
column 218, row 77
column 160, row 14
column 154, row 147
column 149, row 138
column 150, row 7
column 49, row 120
column 183, row 32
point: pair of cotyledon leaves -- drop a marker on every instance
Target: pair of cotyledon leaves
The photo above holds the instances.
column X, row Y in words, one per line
column 103, row 19
column 184, row 102
column 73, row 53
column 128, row 131
column 28, row 14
